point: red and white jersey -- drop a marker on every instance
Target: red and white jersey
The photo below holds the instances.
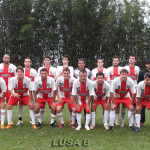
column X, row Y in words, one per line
column 2, row 86
column 121, row 89
column 77, row 72
column 133, row 73
column 143, row 91
column 64, row 87
column 112, row 73
column 21, row 87
column 96, row 70
column 7, row 72
column 83, row 91
column 59, row 70
column 51, row 71
column 101, row 91
column 45, row 88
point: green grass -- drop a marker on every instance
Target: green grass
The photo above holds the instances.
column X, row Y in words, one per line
column 24, row 137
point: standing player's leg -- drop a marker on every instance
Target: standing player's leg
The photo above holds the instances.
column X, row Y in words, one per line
column 53, row 114
column 123, row 115
column 138, row 118
column 143, row 116
column 9, row 115
column 88, row 117
column 20, row 115
column 79, row 110
column 117, row 115
column 2, row 115
column 59, row 109
column 93, row 113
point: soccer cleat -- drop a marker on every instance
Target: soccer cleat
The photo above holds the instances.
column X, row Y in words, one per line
column 92, row 127
column 78, row 128
column 12, row 123
column 117, row 123
column 106, row 127
column 87, row 128
column 72, row 126
column 2, row 126
column 122, row 124
column 111, row 128
column 39, row 125
column 19, row 122
column 61, row 126
column 52, row 125
column 137, row 129
column 131, row 128
column 70, row 121
column 8, row 126
column 34, row 126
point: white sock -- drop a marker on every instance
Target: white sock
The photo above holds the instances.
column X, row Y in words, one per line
column 70, row 116
column 116, row 117
column 93, row 114
column 60, row 116
column 42, row 110
column 88, row 117
column 131, row 118
column 112, row 117
column 138, row 118
column 32, row 116
column 2, row 116
column 106, row 115
column 79, row 119
column 20, row 110
column 9, row 116
column 73, row 118
column 52, row 118
column 123, row 114
column 38, row 117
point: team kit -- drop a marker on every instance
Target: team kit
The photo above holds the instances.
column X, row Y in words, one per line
column 81, row 89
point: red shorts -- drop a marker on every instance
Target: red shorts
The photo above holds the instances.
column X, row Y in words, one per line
column 7, row 95
column 0, row 100
column 80, row 109
column 42, row 102
column 145, row 103
column 126, row 101
column 98, row 102
column 22, row 101
column 67, row 100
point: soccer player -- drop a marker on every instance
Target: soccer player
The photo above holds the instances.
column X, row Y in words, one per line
column 81, row 66
column 45, row 86
column 32, row 74
column 82, row 92
column 120, row 94
column 101, row 96
column 65, row 61
column 64, row 87
column 143, row 98
column 7, row 71
column 19, row 87
column 51, row 72
column 112, row 73
column 3, row 89
column 141, row 78
column 133, row 71
column 99, row 68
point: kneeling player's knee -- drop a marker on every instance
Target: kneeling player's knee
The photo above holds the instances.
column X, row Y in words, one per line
column 9, row 107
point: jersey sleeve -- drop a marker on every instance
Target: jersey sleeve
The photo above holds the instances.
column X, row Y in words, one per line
column 112, row 88
column 132, row 87
column 53, row 85
column 91, row 89
column 57, row 83
column 3, row 86
column 108, row 90
column 30, row 85
column 11, row 84
column 74, row 89
column 35, row 87
column 92, row 76
column 138, row 91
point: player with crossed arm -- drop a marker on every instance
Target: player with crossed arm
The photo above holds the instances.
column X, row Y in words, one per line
column 45, row 86
column 120, row 94
column 19, row 87
column 64, row 89
column 82, row 92
column 101, row 96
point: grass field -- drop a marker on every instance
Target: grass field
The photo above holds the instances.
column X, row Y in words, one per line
column 24, row 137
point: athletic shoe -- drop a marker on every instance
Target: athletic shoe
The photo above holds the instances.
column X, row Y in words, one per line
column 92, row 127
column 8, row 126
column 117, row 123
column 2, row 126
column 52, row 125
column 87, row 128
column 111, row 128
column 61, row 126
column 106, row 127
column 70, row 121
column 34, row 126
column 19, row 122
column 78, row 128
column 137, row 129
column 12, row 123
column 38, row 125
column 122, row 124
column 72, row 126
column 132, row 128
